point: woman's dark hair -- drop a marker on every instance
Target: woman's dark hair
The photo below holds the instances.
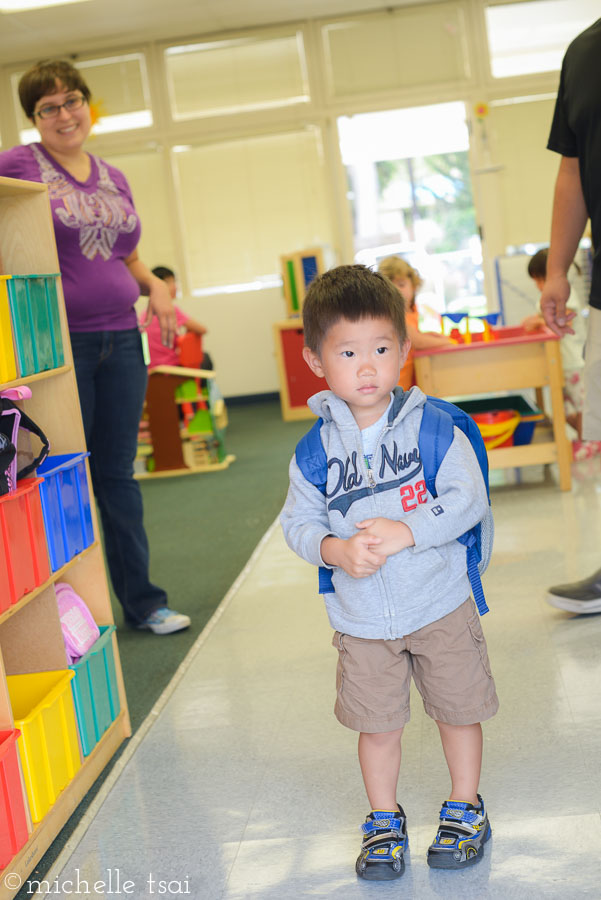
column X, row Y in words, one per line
column 353, row 293
column 41, row 79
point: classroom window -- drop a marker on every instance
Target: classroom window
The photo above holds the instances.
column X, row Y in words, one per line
column 245, row 202
column 120, row 95
column 396, row 49
column 235, row 76
column 525, row 38
column 410, row 193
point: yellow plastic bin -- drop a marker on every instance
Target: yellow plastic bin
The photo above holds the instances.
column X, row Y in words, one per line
column 43, row 711
column 8, row 365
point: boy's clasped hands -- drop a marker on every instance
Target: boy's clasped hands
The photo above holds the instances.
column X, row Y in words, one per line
column 366, row 551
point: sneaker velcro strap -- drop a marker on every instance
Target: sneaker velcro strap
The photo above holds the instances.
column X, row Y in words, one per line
column 467, row 816
column 387, row 823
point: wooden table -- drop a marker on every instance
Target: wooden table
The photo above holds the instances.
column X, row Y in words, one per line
column 514, row 360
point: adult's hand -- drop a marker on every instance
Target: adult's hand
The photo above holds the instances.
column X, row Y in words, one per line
column 161, row 306
column 553, row 302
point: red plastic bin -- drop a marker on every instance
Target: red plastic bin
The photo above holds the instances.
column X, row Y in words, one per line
column 23, row 554
column 13, row 819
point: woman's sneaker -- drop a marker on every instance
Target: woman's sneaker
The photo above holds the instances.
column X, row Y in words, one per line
column 384, row 844
column 165, row 621
column 462, row 833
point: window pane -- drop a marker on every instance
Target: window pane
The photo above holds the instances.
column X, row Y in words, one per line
column 397, row 49
column 120, row 95
column 245, row 202
column 528, row 169
column 233, row 76
column 411, row 195
column 530, row 37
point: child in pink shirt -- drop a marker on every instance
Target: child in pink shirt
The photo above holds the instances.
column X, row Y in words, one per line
column 169, row 356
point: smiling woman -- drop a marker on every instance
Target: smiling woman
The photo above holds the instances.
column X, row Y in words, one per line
column 97, row 231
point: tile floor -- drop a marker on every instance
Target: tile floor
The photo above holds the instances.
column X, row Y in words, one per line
column 246, row 786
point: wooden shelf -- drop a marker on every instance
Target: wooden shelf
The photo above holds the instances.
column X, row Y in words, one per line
column 67, row 802
column 30, row 633
column 39, row 376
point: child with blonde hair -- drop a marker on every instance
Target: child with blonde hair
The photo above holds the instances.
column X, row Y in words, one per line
column 408, row 281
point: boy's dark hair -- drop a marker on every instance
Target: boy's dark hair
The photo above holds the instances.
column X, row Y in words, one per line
column 41, row 79
column 163, row 272
column 537, row 266
column 353, row 293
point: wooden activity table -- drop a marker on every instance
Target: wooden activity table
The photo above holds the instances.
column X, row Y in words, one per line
column 512, row 360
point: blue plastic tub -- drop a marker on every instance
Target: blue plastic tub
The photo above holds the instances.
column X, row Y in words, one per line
column 95, row 692
column 66, row 507
column 529, row 414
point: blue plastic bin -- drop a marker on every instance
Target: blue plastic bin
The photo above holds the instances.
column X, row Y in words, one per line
column 66, row 507
column 529, row 414
column 36, row 322
column 95, row 692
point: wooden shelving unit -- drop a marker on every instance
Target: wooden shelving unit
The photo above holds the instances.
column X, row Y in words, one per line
column 30, row 634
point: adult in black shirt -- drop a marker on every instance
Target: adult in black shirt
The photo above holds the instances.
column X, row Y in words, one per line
column 576, row 135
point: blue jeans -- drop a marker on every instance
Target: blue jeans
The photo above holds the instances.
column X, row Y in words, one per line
column 111, row 379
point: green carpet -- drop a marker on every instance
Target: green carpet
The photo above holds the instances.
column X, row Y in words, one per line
column 202, row 530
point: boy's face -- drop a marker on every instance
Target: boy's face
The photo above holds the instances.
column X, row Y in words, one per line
column 361, row 362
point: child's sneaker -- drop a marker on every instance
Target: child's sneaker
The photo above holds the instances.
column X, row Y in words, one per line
column 462, row 833
column 165, row 621
column 582, row 450
column 384, row 844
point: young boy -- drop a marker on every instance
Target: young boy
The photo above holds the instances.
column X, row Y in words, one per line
column 401, row 604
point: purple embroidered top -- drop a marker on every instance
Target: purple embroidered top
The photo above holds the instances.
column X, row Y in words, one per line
column 96, row 228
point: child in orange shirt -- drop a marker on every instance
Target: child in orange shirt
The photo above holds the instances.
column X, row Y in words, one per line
column 407, row 281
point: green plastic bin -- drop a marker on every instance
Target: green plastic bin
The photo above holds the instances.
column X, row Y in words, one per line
column 95, row 692
column 36, row 323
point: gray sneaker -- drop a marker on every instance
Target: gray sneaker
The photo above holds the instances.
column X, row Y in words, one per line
column 165, row 621
column 578, row 597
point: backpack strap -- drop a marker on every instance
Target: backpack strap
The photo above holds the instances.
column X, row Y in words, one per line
column 435, row 438
column 311, row 457
column 312, row 461
column 29, row 425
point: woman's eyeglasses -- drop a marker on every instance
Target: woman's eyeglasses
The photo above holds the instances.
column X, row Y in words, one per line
column 52, row 110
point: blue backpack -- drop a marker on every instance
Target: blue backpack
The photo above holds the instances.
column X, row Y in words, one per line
column 435, row 438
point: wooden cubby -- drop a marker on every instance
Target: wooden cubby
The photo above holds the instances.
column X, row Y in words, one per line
column 30, row 634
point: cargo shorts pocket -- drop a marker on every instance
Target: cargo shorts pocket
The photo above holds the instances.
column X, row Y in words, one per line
column 473, row 623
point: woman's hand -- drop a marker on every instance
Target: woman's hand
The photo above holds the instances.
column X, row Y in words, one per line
column 159, row 299
column 161, row 306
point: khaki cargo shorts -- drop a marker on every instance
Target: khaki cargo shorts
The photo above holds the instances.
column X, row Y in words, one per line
column 449, row 664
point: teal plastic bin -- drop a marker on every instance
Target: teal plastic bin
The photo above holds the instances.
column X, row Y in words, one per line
column 95, row 692
column 36, row 323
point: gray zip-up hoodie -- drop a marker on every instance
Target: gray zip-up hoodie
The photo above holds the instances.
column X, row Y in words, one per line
column 420, row 584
